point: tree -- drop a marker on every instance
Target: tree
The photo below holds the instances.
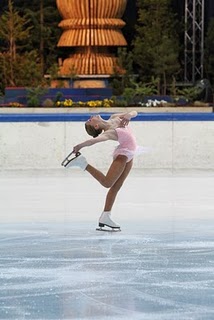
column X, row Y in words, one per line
column 156, row 46
column 13, row 33
column 13, row 30
column 209, row 52
column 17, row 67
column 44, row 18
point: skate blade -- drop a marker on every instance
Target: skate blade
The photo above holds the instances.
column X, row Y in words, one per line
column 70, row 158
column 108, row 229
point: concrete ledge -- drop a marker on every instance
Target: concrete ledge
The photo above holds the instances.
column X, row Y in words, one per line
column 116, row 109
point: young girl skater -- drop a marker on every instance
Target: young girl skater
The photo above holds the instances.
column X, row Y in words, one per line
column 115, row 128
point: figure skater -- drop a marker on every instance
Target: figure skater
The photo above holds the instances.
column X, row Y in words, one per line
column 115, row 128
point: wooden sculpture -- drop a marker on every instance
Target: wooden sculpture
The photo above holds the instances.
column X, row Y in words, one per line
column 90, row 27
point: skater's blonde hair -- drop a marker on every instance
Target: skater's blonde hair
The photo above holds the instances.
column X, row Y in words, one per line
column 92, row 131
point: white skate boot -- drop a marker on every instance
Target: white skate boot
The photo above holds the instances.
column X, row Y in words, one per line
column 77, row 161
column 106, row 221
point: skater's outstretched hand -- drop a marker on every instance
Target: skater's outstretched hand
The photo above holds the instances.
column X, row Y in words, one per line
column 124, row 122
column 76, row 149
column 125, row 119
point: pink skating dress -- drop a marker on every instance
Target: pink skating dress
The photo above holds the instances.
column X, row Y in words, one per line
column 127, row 143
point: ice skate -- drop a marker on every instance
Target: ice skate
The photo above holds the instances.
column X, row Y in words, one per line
column 77, row 161
column 106, row 221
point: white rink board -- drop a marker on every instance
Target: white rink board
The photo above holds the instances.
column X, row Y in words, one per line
column 168, row 145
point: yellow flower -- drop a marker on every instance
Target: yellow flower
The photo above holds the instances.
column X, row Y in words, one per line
column 106, row 103
column 67, row 103
column 15, row 104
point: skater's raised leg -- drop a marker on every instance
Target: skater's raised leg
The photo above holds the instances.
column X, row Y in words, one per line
column 77, row 162
column 115, row 171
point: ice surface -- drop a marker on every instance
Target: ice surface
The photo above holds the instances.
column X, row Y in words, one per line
column 54, row 265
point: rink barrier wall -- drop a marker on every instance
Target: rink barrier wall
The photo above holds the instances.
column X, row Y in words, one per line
column 58, row 117
column 42, row 140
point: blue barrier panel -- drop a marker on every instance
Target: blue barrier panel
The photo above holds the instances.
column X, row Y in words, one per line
column 69, row 117
column 75, row 94
column 14, row 91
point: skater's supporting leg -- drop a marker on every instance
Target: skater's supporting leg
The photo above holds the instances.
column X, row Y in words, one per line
column 115, row 171
column 112, row 193
column 105, row 218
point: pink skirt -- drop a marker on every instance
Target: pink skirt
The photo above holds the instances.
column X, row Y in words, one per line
column 128, row 153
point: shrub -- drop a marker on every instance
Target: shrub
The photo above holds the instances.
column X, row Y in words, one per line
column 48, row 103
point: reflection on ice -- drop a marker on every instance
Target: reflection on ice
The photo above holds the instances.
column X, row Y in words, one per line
column 71, row 273
column 54, row 265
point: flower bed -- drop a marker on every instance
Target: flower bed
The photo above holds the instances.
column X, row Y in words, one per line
column 106, row 103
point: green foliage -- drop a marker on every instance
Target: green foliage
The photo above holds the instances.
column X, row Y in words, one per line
column 16, row 67
column 117, row 85
column 137, row 92
column 156, row 46
column 125, row 59
column 190, row 93
column 45, row 33
column 128, row 95
column 59, row 96
column 21, row 31
column 29, row 34
column 48, row 103
column 121, row 81
column 13, row 29
column 34, row 95
column 23, row 71
column 118, row 102
column 53, row 71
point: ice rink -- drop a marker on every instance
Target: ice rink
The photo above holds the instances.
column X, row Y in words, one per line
column 55, row 265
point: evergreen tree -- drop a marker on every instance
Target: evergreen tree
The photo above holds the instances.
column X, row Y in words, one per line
column 16, row 66
column 156, row 46
column 13, row 30
column 43, row 18
column 46, row 33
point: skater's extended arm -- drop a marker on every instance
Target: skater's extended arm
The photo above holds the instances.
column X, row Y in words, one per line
column 125, row 117
column 109, row 135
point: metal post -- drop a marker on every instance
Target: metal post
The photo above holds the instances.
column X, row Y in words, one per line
column 194, row 41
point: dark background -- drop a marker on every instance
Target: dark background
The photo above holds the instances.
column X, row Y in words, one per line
column 177, row 4
column 130, row 16
column 131, row 7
